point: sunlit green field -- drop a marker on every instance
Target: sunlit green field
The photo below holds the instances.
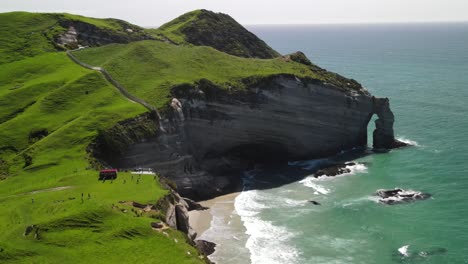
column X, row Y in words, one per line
column 44, row 178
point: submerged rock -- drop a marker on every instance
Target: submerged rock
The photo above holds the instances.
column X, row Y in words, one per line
column 335, row 170
column 406, row 255
column 314, row 202
column 396, row 196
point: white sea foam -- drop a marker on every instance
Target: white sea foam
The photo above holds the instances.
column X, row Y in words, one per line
column 311, row 182
column 267, row 243
column 404, row 250
column 408, row 141
column 357, row 168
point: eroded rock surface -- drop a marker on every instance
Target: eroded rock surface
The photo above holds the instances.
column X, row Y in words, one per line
column 397, row 196
column 334, row 170
column 205, row 247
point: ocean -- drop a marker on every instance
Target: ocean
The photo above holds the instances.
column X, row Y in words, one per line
column 423, row 70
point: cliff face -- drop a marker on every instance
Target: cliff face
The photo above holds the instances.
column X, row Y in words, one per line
column 212, row 134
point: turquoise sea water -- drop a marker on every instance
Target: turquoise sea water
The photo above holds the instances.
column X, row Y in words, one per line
column 423, row 69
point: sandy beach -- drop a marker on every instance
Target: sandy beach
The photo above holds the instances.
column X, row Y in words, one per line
column 201, row 220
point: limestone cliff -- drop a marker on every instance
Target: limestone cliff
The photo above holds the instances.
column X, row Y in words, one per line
column 212, row 133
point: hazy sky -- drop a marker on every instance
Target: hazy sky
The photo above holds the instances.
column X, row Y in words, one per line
column 157, row 12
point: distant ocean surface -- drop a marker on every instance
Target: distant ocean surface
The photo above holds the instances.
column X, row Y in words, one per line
column 423, row 69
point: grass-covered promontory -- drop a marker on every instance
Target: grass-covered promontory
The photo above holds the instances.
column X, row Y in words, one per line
column 52, row 110
column 148, row 69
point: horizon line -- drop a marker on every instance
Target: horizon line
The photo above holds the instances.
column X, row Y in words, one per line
column 348, row 23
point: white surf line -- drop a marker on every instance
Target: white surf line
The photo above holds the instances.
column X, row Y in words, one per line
column 408, row 141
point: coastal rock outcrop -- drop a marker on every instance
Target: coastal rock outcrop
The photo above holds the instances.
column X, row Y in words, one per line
column 205, row 247
column 334, row 170
column 384, row 137
column 397, row 196
column 176, row 212
column 211, row 133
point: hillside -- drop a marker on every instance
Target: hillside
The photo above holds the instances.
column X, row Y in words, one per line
column 217, row 30
column 25, row 35
column 52, row 110
column 149, row 69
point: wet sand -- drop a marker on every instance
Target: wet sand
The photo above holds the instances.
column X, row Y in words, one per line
column 201, row 220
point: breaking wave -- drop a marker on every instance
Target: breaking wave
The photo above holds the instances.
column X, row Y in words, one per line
column 408, row 141
column 267, row 243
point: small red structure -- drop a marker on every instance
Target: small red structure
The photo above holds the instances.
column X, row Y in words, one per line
column 109, row 174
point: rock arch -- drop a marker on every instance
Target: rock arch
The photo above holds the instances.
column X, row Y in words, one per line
column 383, row 135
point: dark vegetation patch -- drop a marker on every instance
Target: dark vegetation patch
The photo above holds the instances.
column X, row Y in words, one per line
column 41, row 166
column 128, row 234
column 16, row 112
column 87, row 220
column 4, row 169
column 111, row 143
column 37, row 134
column 9, row 254
column 28, row 160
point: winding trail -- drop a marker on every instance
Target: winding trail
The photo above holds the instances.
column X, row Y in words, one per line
column 117, row 85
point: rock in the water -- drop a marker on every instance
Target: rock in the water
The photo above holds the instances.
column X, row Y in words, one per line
column 205, row 247
column 334, row 170
column 396, row 196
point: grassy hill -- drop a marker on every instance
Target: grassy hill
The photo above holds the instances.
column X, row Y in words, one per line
column 51, row 93
column 217, row 30
column 25, row 34
column 148, row 69
column 50, row 110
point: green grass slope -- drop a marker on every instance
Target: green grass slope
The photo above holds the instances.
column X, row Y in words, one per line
column 24, row 34
column 50, row 110
column 217, row 30
column 148, row 69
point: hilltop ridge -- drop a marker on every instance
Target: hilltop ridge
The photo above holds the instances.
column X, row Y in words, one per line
column 217, row 30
